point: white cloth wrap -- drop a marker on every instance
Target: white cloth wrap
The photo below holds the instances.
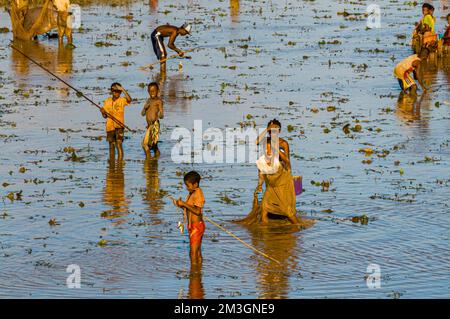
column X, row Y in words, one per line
column 265, row 168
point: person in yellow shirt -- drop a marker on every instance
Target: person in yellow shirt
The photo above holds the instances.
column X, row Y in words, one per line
column 428, row 19
column 115, row 106
column 425, row 40
column 403, row 71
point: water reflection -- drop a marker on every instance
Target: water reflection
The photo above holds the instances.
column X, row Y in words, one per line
column 408, row 109
column 152, row 197
column 429, row 70
column 196, row 290
column 444, row 66
column 279, row 243
column 58, row 60
column 234, row 10
column 114, row 193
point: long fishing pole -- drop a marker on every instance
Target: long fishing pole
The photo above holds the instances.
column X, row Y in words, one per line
column 236, row 237
column 79, row 93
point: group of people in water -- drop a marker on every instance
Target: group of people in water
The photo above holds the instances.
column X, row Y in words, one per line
column 274, row 166
column 425, row 43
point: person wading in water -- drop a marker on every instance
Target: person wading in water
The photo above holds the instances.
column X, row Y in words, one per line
column 171, row 32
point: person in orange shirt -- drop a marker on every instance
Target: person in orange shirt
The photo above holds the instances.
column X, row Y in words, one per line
column 115, row 106
column 193, row 209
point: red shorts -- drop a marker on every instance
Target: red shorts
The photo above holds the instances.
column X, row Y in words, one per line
column 196, row 231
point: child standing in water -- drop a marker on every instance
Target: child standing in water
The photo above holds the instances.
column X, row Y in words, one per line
column 153, row 111
column 115, row 106
column 193, row 210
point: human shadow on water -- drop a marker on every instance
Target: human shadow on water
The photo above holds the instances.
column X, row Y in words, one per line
column 114, row 193
column 58, row 60
column 428, row 71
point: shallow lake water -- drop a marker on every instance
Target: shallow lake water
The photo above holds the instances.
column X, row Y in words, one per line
column 301, row 62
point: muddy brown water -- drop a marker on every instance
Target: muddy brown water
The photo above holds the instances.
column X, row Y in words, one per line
column 264, row 59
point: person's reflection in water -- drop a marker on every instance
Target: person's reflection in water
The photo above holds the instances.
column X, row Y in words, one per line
column 152, row 196
column 114, row 193
column 234, row 10
column 429, row 70
column 196, row 290
column 58, row 60
column 407, row 107
column 279, row 243
column 444, row 65
column 161, row 77
column 153, row 4
column 64, row 62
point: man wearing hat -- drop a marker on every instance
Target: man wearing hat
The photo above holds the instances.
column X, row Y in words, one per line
column 171, row 32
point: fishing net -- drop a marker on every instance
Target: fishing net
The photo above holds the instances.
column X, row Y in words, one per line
column 27, row 23
column 254, row 217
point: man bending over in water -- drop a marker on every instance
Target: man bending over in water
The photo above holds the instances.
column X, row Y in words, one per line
column 171, row 32
column 403, row 71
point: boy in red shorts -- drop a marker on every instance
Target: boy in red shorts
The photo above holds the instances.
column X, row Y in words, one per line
column 193, row 210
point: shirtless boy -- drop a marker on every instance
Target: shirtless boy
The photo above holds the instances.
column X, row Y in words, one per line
column 153, row 111
column 193, row 209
